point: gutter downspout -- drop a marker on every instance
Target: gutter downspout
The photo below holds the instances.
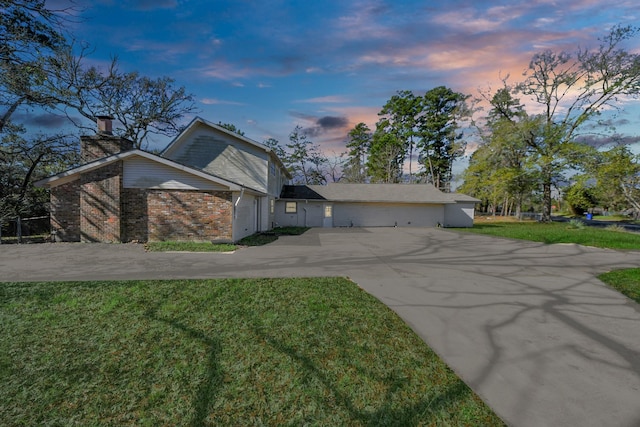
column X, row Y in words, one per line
column 235, row 205
column 235, row 214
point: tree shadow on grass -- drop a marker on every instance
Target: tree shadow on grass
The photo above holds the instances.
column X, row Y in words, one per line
column 213, row 375
column 430, row 410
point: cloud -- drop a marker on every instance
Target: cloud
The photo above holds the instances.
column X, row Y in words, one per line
column 329, row 132
column 150, row 4
column 224, row 70
column 604, row 141
column 48, row 121
column 332, row 122
column 330, row 99
column 215, row 101
column 476, row 21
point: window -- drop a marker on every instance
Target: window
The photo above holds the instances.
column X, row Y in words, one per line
column 291, row 207
column 272, row 168
column 328, row 211
column 272, row 205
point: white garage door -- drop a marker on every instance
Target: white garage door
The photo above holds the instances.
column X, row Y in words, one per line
column 387, row 215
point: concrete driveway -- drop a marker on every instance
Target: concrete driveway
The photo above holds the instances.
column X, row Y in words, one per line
column 526, row 325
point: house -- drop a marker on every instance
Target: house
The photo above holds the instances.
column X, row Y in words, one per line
column 373, row 205
column 211, row 184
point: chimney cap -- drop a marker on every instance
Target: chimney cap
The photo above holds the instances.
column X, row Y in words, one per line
column 104, row 125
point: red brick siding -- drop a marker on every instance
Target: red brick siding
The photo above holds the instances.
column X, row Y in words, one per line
column 135, row 219
column 96, row 208
column 153, row 215
column 189, row 215
column 65, row 211
column 100, row 204
column 98, row 146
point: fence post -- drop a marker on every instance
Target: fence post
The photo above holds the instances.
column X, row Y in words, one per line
column 19, row 229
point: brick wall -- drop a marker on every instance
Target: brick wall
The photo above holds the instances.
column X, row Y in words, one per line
column 100, row 204
column 188, row 215
column 93, row 147
column 65, row 211
column 134, row 215
column 96, row 208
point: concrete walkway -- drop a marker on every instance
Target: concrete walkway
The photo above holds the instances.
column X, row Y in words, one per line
column 526, row 325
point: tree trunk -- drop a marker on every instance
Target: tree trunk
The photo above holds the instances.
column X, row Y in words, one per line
column 629, row 197
column 518, row 203
column 546, row 200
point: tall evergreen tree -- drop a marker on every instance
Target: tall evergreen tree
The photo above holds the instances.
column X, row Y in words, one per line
column 304, row 159
column 359, row 143
column 441, row 140
column 386, row 157
column 400, row 117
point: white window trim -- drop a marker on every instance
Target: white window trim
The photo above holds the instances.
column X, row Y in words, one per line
column 288, row 205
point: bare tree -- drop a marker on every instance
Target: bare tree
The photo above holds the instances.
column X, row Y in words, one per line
column 572, row 89
column 141, row 105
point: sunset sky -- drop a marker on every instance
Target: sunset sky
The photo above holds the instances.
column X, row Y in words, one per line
column 269, row 65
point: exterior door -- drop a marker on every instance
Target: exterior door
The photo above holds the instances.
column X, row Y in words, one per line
column 327, row 220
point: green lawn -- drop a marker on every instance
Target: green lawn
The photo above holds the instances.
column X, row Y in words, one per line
column 625, row 281
column 257, row 239
column 560, row 232
column 189, row 246
column 219, row 352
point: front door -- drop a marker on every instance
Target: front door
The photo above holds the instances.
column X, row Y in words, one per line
column 327, row 220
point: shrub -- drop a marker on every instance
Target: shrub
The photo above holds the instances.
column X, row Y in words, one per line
column 576, row 224
column 579, row 198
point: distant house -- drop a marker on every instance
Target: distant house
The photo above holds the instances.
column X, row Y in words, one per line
column 211, row 184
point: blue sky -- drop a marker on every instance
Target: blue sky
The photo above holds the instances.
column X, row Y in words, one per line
column 269, row 65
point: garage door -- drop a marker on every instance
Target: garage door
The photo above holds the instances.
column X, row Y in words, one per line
column 387, row 215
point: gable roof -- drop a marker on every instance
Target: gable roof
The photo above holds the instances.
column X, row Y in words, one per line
column 72, row 174
column 199, row 121
column 373, row 193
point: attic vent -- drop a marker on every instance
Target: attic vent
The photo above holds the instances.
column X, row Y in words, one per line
column 105, row 125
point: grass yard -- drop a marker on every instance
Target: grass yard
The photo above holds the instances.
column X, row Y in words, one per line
column 219, row 352
column 257, row 239
column 560, row 232
column 167, row 246
column 626, row 282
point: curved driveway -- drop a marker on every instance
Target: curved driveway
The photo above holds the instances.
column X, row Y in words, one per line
column 526, row 325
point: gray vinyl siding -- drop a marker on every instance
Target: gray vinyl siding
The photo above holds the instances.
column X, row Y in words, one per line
column 276, row 179
column 224, row 156
column 387, row 215
column 459, row 215
column 309, row 214
column 245, row 211
column 140, row 172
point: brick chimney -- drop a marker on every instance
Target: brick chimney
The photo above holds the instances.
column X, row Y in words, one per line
column 105, row 125
column 103, row 143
